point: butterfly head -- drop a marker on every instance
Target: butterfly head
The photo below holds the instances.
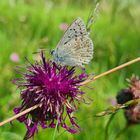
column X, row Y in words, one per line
column 52, row 52
column 54, row 55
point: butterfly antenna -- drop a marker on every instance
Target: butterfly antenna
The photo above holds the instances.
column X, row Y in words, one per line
column 92, row 17
column 40, row 50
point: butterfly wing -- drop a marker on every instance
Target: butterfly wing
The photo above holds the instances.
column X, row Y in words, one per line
column 75, row 48
column 77, row 28
column 77, row 51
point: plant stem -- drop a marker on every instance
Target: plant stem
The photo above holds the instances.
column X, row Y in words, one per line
column 82, row 83
column 20, row 114
column 53, row 138
column 122, row 131
column 107, row 126
column 111, row 71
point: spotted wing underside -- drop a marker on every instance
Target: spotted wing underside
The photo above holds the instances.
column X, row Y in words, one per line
column 75, row 47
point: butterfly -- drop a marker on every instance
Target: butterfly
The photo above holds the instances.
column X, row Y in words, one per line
column 76, row 47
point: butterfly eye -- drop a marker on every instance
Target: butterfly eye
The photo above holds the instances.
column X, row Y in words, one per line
column 52, row 52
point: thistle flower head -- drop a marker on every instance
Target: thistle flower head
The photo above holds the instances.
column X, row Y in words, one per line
column 132, row 113
column 56, row 88
column 134, row 86
column 14, row 57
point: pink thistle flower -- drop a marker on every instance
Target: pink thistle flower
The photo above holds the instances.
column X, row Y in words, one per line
column 57, row 88
column 63, row 26
column 132, row 113
column 112, row 101
column 14, row 57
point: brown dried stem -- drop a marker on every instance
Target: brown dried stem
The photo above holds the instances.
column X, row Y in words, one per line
column 111, row 71
column 83, row 83
column 20, row 114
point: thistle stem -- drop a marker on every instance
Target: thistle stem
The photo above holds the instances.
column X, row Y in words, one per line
column 54, row 134
column 107, row 126
column 122, row 131
column 82, row 83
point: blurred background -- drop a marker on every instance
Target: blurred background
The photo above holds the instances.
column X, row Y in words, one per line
column 27, row 25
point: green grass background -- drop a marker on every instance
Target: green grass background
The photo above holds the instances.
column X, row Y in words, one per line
column 26, row 25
